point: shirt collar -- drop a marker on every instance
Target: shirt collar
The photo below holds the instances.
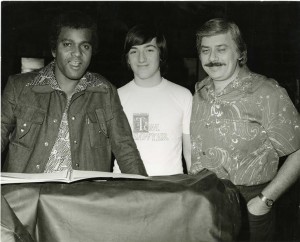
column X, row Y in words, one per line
column 243, row 82
column 46, row 79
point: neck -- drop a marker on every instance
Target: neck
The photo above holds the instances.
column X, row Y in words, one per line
column 67, row 85
column 220, row 85
column 148, row 82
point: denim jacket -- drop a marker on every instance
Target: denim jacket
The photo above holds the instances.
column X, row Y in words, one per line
column 30, row 120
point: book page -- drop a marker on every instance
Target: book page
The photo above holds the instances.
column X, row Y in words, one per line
column 10, row 177
column 62, row 176
column 81, row 174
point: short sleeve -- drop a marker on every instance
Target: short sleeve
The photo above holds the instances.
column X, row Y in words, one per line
column 187, row 113
column 281, row 120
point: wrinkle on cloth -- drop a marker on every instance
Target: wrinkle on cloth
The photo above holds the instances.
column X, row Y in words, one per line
column 173, row 208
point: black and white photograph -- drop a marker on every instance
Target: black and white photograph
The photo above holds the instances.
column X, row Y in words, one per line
column 150, row 121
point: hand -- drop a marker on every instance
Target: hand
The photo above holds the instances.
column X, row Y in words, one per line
column 257, row 207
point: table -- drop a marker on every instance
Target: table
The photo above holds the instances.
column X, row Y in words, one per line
column 174, row 208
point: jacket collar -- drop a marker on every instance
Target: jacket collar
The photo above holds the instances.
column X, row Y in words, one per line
column 45, row 81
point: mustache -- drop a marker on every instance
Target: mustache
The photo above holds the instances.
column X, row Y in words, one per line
column 211, row 64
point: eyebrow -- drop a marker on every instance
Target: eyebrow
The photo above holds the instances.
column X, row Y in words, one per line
column 148, row 45
column 83, row 42
column 222, row 45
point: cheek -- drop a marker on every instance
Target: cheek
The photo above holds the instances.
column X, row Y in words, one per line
column 203, row 59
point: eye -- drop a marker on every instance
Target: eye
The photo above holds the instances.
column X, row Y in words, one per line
column 204, row 51
column 221, row 50
column 87, row 46
column 131, row 52
column 66, row 44
column 150, row 50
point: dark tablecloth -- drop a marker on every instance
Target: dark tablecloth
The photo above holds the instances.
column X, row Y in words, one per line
column 169, row 208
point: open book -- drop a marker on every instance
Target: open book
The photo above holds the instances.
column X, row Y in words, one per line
column 63, row 176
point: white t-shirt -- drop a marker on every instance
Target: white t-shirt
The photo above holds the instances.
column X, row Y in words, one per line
column 158, row 117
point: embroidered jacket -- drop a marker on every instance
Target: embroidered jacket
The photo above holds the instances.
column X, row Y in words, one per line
column 240, row 133
column 32, row 109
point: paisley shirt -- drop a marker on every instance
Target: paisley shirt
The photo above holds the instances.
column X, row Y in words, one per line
column 240, row 133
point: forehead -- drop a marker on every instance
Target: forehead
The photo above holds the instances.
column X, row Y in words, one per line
column 82, row 34
column 218, row 40
column 150, row 43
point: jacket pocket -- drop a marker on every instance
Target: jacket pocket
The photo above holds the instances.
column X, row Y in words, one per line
column 29, row 122
column 97, row 126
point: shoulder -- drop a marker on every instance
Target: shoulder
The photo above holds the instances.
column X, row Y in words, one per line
column 23, row 78
column 126, row 89
column 263, row 84
column 98, row 82
column 19, row 82
column 180, row 90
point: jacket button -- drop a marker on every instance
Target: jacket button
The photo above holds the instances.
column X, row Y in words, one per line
column 46, row 143
column 73, row 118
column 25, row 124
column 54, row 120
column 22, row 130
column 75, row 142
column 38, row 167
column 77, row 165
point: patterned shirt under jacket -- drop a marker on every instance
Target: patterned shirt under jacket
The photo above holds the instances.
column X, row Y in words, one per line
column 240, row 133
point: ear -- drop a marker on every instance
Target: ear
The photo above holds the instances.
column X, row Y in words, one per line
column 243, row 58
column 53, row 53
column 128, row 62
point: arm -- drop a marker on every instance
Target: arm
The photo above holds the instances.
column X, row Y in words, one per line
column 123, row 145
column 281, row 121
column 8, row 122
column 186, row 143
column 286, row 176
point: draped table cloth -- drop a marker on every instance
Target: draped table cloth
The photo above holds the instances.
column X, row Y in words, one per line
column 174, row 208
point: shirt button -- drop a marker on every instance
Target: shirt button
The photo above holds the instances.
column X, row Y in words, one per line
column 38, row 167
column 77, row 165
column 46, row 143
column 73, row 118
column 54, row 120
column 75, row 142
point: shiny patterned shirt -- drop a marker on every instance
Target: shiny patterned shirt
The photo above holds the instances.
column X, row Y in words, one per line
column 240, row 133
column 60, row 156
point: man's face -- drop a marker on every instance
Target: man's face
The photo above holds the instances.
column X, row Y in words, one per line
column 219, row 56
column 73, row 54
column 144, row 60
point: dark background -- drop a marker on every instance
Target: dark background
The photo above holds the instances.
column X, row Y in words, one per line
column 271, row 31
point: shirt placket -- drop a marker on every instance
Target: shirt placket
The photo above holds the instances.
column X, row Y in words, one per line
column 60, row 156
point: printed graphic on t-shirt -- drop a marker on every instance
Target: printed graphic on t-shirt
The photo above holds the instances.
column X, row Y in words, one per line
column 141, row 123
column 145, row 131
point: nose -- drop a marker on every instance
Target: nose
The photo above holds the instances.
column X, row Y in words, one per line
column 142, row 56
column 213, row 56
column 76, row 50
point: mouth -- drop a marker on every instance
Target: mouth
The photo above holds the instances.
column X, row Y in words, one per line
column 75, row 64
column 143, row 65
column 216, row 64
